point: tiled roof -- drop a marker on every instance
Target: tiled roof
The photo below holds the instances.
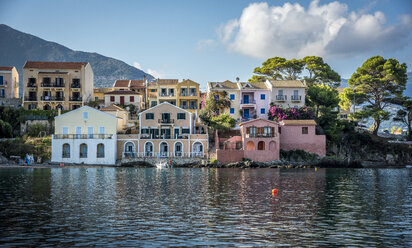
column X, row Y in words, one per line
column 122, row 92
column 298, row 123
column 224, row 85
column 112, row 108
column 6, row 68
column 121, row 83
column 54, row 65
column 288, row 83
column 136, row 83
column 259, row 85
column 167, row 81
column 258, row 119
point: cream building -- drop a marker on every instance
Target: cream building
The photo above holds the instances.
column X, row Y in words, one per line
column 9, row 82
column 287, row 93
column 232, row 91
column 85, row 135
column 121, row 114
column 123, row 97
column 53, row 85
column 165, row 130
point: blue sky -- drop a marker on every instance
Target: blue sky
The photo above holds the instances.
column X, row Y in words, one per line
column 218, row 40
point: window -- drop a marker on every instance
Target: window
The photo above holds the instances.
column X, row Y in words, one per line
column 83, row 150
column 305, row 130
column 232, row 110
column 149, row 116
column 262, row 96
column 78, row 132
column 262, row 110
column 154, row 103
column 232, row 96
column 66, row 151
column 90, row 132
column 261, row 145
column 100, row 151
column 96, row 98
column 1, row 80
column 185, row 130
column 112, row 98
column 279, row 130
column 181, row 116
column 2, row 93
column 171, row 92
column 65, row 130
column 152, row 90
column 85, row 115
column 101, row 130
column 131, row 98
column 145, row 131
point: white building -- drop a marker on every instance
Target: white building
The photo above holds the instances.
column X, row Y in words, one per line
column 85, row 135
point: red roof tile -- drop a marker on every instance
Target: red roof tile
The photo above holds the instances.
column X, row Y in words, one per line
column 6, row 68
column 121, row 83
column 167, row 81
column 137, row 84
column 54, row 65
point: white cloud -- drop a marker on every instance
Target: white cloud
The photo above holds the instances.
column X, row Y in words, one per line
column 328, row 30
column 154, row 73
column 206, row 44
column 150, row 71
column 137, row 65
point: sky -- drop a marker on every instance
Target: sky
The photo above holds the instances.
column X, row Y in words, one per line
column 217, row 40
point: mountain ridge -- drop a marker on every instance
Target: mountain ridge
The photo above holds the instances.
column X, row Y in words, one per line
column 17, row 47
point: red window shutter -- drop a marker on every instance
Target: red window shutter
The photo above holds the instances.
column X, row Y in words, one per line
column 112, row 98
column 131, row 98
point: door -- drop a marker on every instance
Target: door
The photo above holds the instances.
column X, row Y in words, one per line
column 246, row 113
column 78, row 132
column 122, row 100
column 90, row 132
column 164, row 149
column 245, row 99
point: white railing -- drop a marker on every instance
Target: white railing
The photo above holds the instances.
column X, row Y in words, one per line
column 163, row 155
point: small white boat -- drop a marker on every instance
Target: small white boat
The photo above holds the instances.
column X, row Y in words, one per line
column 162, row 165
column 408, row 166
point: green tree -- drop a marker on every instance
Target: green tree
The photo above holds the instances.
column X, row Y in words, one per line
column 322, row 96
column 404, row 114
column 222, row 123
column 320, row 72
column 350, row 97
column 215, row 103
column 6, row 130
column 379, row 81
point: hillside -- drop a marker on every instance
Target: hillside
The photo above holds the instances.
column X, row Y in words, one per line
column 16, row 47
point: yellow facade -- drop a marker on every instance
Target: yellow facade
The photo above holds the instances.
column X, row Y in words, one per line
column 188, row 96
column 229, row 88
column 9, row 82
column 53, row 85
column 98, row 93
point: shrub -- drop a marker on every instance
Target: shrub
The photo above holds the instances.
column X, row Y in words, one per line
column 213, row 161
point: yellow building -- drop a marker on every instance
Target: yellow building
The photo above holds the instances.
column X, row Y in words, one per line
column 232, row 92
column 53, row 85
column 188, row 96
column 9, row 82
column 98, row 93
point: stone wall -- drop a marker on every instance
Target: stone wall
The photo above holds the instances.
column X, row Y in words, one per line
column 229, row 156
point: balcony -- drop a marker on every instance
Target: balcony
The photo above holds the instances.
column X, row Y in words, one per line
column 296, row 98
column 167, row 95
column 30, row 98
column 163, row 136
column 75, row 85
column 247, row 102
column 260, row 135
column 163, row 154
column 281, row 98
column 82, row 136
column 193, row 94
column 52, row 85
column 58, row 85
column 166, row 121
column 184, row 94
column 76, row 99
column 31, row 85
column 52, row 98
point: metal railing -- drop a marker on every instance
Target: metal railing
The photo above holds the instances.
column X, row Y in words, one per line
column 260, row 135
column 75, row 85
column 296, row 97
column 31, row 85
column 166, row 94
column 30, row 98
column 281, row 98
column 52, row 98
column 49, row 85
column 166, row 121
column 163, row 154
column 75, row 99
column 159, row 136
column 247, row 102
column 82, row 136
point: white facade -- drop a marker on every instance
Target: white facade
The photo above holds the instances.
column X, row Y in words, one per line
column 287, row 93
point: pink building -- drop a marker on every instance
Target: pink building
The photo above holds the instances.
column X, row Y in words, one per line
column 260, row 140
column 254, row 100
column 229, row 146
column 301, row 134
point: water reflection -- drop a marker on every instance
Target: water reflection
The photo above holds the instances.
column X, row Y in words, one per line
column 217, row 207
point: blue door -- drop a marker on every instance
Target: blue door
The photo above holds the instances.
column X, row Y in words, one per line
column 245, row 99
column 246, row 113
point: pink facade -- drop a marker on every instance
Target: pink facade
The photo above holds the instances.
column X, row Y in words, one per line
column 229, row 148
column 301, row 135
column 260, row 140
column 256, row 102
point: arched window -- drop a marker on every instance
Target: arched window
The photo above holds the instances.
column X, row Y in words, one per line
column 261, row 145
column 46, row 107
column 148, row 149
column 59, row 106
column 250, row 146
column 178, row 149
column 100, row 150
column 129, row 149
column 66, row 151
column 198, row 149
column 83, row 150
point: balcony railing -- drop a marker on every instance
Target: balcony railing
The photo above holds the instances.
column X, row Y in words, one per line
column 281, row 98
column 52, row 85
column 193, row 94
column 75, row 99
column 58, row 85
column 30, row 98
column 166, row 121
column 165, row 94
column 260, row 135
column 160, row 136
column 163, row 154
column 247, row 102
column 184, row 94
column 52, row 98
column 296, row 98
column 31, row 85
column 75, row 86
column 82, row 136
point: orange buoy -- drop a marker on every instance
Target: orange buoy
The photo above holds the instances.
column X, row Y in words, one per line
column 61, row 164
column 274, row 191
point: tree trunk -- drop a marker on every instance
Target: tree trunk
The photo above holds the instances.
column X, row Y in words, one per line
column 376, row 125
column 409, row 137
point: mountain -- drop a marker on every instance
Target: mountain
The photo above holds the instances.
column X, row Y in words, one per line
column 16, row 47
